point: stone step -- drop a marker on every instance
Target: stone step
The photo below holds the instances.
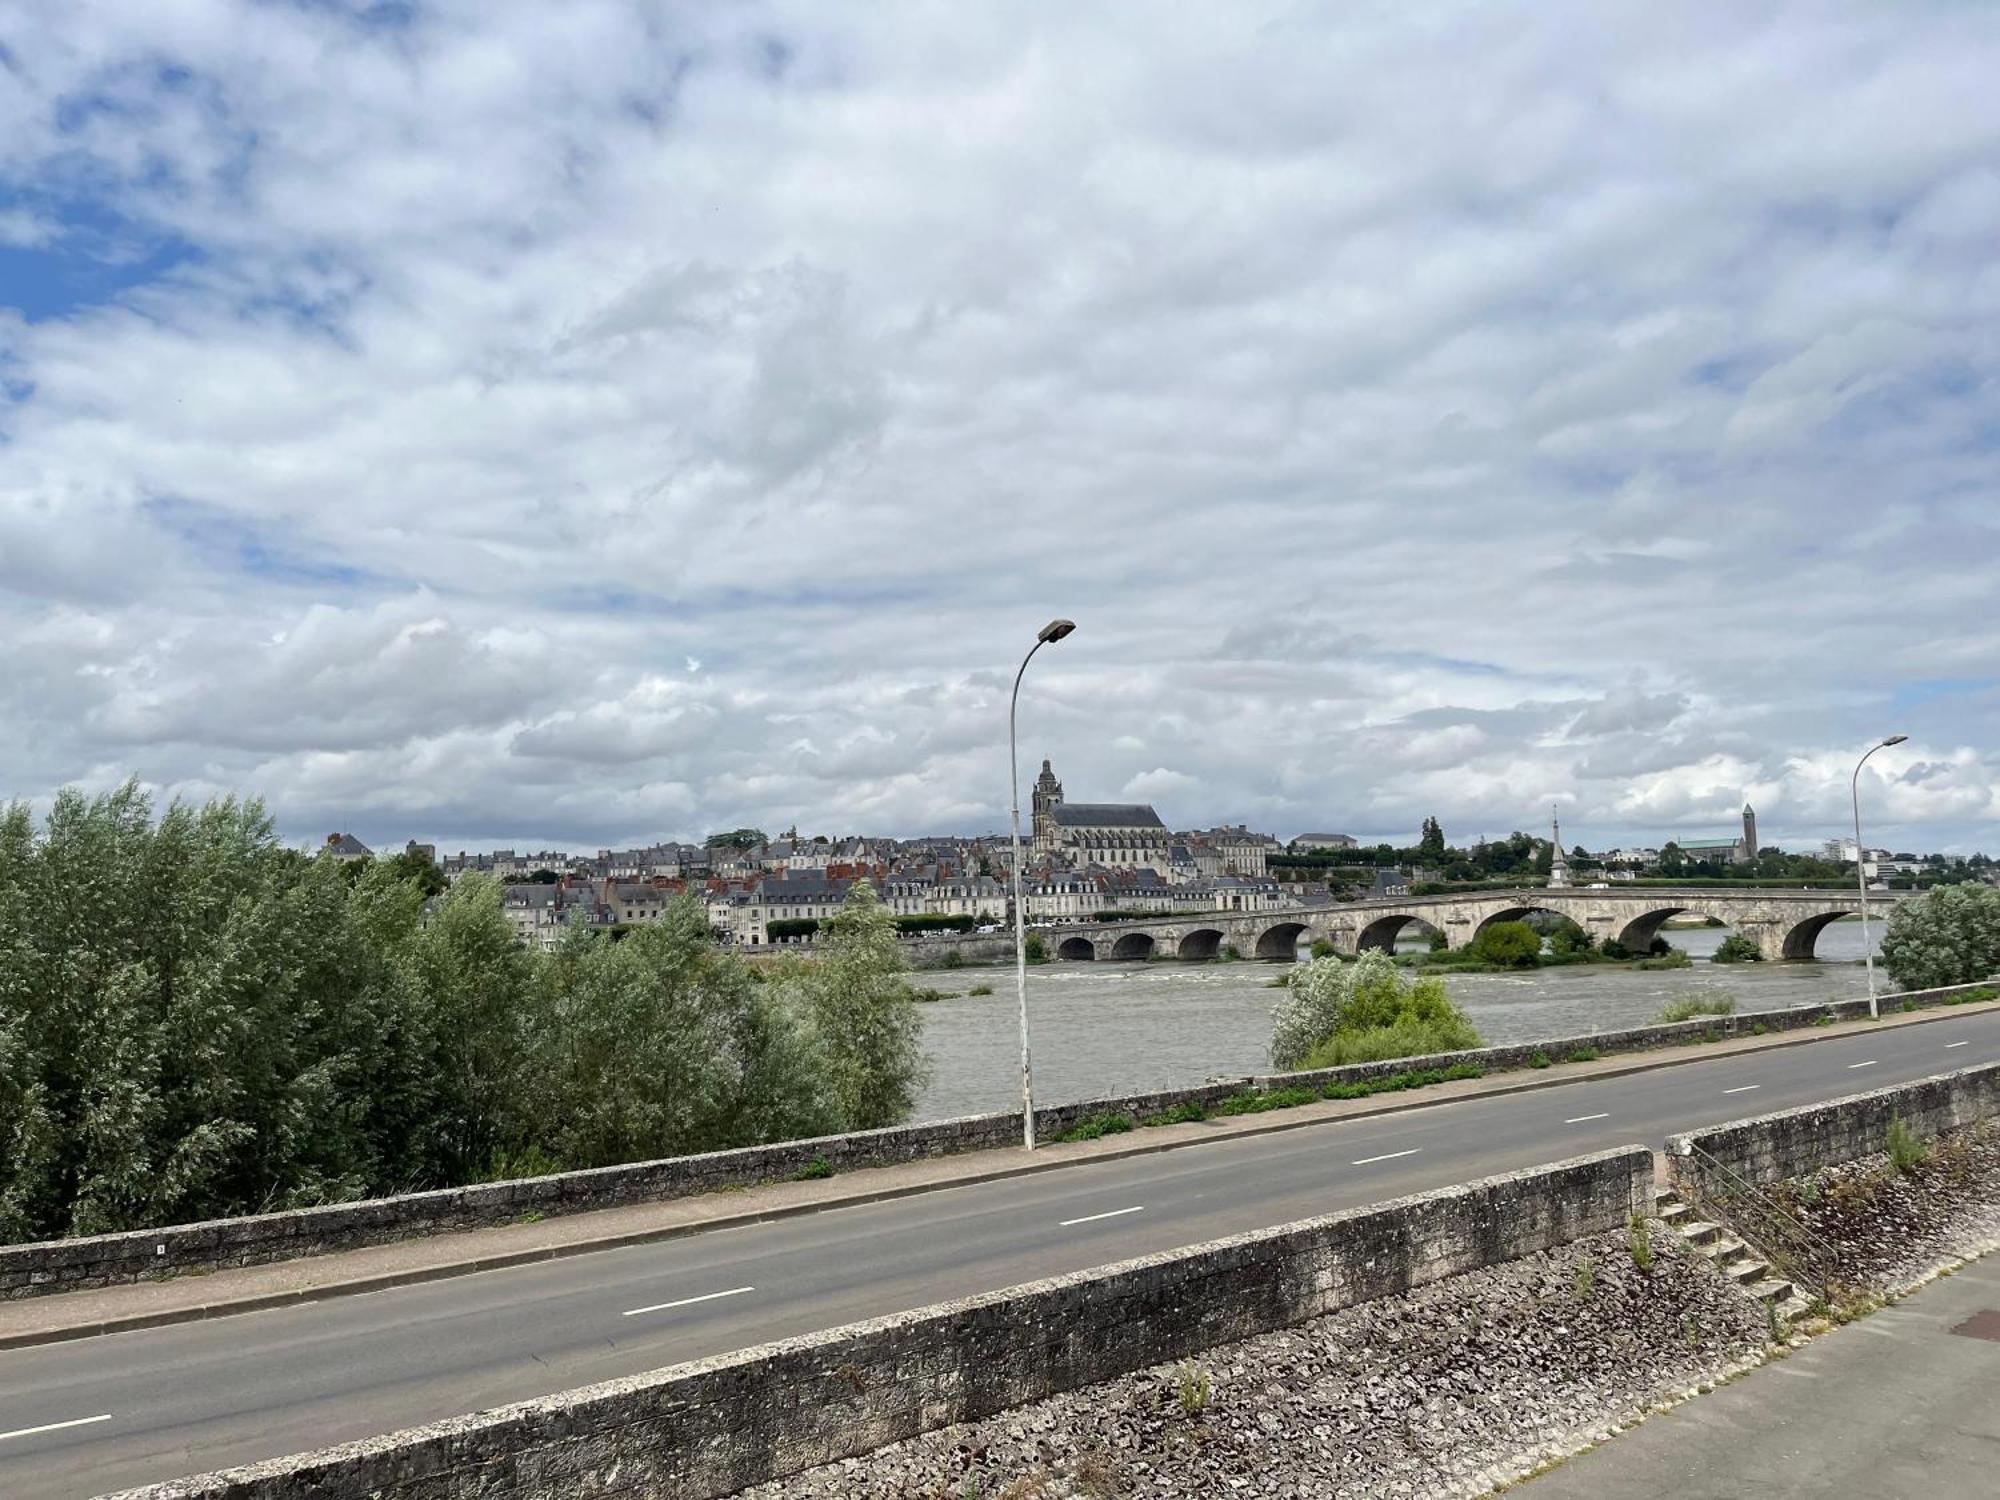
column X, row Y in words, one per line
column 1773, row 1291
column 1699, row 1231
column 1794, row 1307
column 1747, row 1271
column 1723, row 1246
column 1674, row 1213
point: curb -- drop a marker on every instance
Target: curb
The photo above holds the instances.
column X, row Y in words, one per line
column 1273, row 1124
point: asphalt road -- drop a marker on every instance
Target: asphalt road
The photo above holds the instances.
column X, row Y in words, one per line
column 78, row 1419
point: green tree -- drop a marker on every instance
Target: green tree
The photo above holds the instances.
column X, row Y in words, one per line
column 1672, row 860
column 1570, row 938
column 1335, row 1012
column 1514, row 944
column 868, row 1034
column 1430, row 846
column 1948, row 935
column 410, row 865
column 737, row 838
column 1737, row 949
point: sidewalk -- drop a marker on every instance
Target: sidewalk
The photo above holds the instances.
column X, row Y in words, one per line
column 1902, row 1405
column 40, row 1320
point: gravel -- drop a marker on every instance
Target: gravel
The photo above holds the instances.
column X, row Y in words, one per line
column 1444, row 1391
column 1888, row 1231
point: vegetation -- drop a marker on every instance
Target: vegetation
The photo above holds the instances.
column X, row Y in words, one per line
column 1737, row 949
column 737, row 838
column 1035, row 948
column 1907, row 1150
column 1950, row 935
column 1639, row 1240
column 1673, row 958
column 1091, row 1127
column 816, row 1170
column 1365, row 1011
column 1696, row 1005
column 1513, row 945
column 196, row 1021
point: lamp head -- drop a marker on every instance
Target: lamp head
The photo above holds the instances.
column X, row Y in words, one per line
column 1895, row 739
column 1055, row 630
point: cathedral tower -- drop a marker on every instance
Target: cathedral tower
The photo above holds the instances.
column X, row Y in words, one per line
column 1749, row 850
column 1048, row 796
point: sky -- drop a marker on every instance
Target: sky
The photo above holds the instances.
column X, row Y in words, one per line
column 584, row 424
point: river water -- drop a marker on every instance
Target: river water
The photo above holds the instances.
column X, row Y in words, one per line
column 1103, row 1029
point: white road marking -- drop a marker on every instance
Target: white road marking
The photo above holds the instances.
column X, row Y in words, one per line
column 1093, row 1218
column 1583, row 1119
column 54, row 1426
column 1869, row 1064
column 1744, row 1089
column 735, row 1291
column 1391, row 1156
column 1949, row 1045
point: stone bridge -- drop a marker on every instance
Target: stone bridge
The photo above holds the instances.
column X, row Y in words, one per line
column 1783, row 924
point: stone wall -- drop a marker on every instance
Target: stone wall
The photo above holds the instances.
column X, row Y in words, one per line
column 1790, row 1142
column 137, row 1255
column 252, row 1239
column 1630, row 1039
column 712, row 1427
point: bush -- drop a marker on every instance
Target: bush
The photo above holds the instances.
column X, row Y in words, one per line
column 1513, row 945
column 980, row 989
column 1673, row 958
column 1569, row 939
column 1612, row 948
column 1036, row 950
column 815, row 1170
column 1736, row 949
column 1437, row 942
column 1702, row 1005
column 1367, row 1011
column 1949, row 935
column 1181, row 1114
column 1321, row 948
column 1539, row 1059
column 1582, row 1054
column 1091, row 1127
column 1907, row 1150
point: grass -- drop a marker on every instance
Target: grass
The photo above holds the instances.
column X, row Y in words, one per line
column 1195, row 1388
column 1973, row 997
column 1181, row 1114
column 980, row 989
column 816, row 1170
column 1676, row 959
column 1540, row 1059
column 1693, row 1006
column 1907, row 1150
column 1639, row 1240
column 1583, row 1054
column 1091, row 1127
column 1586, row 1279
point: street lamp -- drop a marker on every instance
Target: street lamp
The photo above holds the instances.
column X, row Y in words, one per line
column 1861, row 871
column 1055, row 630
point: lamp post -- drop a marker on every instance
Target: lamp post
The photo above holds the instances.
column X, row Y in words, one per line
column 1055, row 630
column 1861, row 871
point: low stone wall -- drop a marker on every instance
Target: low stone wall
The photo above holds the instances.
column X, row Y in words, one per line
column 715, row 1426
column 253, row 1239
column 1631, row 1039
column 1790, row 1142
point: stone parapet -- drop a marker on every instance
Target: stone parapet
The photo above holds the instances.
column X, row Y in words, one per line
column 712, row 1427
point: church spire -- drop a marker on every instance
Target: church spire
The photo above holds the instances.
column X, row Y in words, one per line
column 1558, row 861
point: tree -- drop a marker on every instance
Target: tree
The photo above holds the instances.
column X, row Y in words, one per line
column 1570, row 938
column 1737, row 949
column 1948, row 935
column 1513, row 944
column 1430, row 846
column 866, row 1029
column 1336, row 1012
column 411, row 865
column 737, row 838
column 1672, row 860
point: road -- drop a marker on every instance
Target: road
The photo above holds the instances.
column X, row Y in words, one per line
column 81, row 1418
column 1899, row 1406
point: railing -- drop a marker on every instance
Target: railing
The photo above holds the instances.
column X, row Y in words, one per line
column 1766, row 1226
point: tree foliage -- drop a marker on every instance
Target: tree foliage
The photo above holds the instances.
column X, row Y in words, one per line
column 1950, row 935
column 196, row 1021
column 1335, row 1012
column 1514, row 944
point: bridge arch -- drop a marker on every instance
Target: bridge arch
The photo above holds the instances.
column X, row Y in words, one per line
column 1076, row 950
column 1800, row 938
column 1280, row 941
column 1383, row 932
column 1133, row 947
column 1200, row 945
column 1639, row 932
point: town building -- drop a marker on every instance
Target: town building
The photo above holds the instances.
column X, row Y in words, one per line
column 1113, row 834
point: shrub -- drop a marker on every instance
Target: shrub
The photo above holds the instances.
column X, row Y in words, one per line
column 1181, row 1114
column 1091, row 1127
column 1366, row 1011
column 1570, row 939
column 1695, row 1005
column 1513, row 945
column 953, row 959
column 1612, row 948
column 1437, row 942
column 1736, row 949
column 980, row 989
column 815, row 1170
column 1321, row 948
column 1540, row 1059
column 1582, row 1054
column 1036, row 950
column 1639, row 1240
column 1194, row 1388
column 1907, row 1150
column 1672, row 958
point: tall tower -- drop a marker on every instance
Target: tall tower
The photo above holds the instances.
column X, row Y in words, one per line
column 1749, row 849
column 1047, row 797
column 1558, row 861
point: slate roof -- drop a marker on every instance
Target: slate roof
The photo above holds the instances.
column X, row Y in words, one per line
column 1105, row 815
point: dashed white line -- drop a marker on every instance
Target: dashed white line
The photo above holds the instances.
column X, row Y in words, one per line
column 54, row 1426
column 1743, row 1089
column 735, row 1291
column 1093, row 1218
column 1583, row 1119
column 1388, row 1156
column 1869, row 1064
column 1949, row 1045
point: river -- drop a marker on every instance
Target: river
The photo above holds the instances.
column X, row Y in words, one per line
column 1102, row 1029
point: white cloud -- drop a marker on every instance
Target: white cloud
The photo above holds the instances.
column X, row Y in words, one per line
column 1442, row 417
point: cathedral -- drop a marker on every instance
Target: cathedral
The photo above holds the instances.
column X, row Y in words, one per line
column 1113, row 834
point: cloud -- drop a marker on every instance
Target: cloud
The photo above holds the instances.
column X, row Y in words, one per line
column 613, row 424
